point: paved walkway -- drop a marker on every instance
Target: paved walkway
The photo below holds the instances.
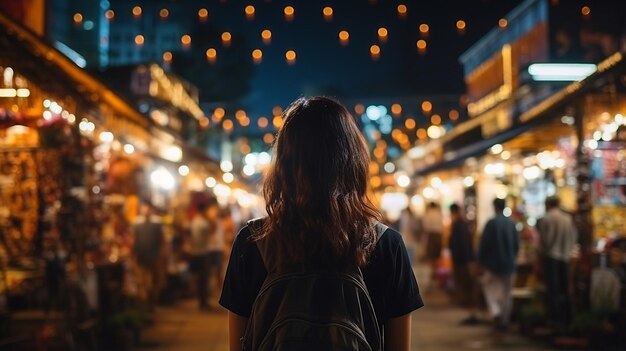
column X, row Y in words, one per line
column 435, row 328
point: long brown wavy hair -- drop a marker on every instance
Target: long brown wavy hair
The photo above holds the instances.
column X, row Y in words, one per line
column 316, row 188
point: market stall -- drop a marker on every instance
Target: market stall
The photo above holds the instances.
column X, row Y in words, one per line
column 58, row 125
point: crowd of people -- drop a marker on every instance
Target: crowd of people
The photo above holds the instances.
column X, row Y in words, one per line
column 170, row 255
column 487, row 263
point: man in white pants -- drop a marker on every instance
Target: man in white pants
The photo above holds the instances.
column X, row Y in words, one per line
column 497, row 253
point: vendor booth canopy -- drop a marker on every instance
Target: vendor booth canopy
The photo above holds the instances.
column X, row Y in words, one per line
column 466, row 139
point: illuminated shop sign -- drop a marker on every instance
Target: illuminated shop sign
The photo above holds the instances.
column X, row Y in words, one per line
column 489, row 101
column 560, row 72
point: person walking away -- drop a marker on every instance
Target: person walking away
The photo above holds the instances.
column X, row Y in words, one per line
column 410, row 228
column 148, row 251
column 320, row 217
column 432, row 225
column 557, row 238
column 497, row 252
column 216, row 246
column 200, row 231
column 463, row 263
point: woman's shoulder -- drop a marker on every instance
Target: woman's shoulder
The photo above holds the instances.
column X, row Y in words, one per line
column 244, row 236
column 389, row 240
column 390, row 233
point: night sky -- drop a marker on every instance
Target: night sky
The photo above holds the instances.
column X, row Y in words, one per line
column 324, row 66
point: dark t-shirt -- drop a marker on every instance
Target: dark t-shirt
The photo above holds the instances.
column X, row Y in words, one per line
column 461, row 247
column 388, row 276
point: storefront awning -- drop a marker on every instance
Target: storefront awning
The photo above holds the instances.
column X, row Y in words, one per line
column 540, row 114
column 43, row 64
column 456, row 158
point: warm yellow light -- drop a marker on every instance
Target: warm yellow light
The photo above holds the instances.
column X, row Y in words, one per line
column 375, row 50
column 167, row 57
column 424, row 28
column 402, row 10
column 164, row 13
column 245, row 149
column 226, row 37
column 290, row 55
column 453, row 115
column 266, row 35
column 137, row 11
column 211, row 54
column 435, row 119
column 268, row 138
column 250, row 10
column 10, row 92
column 359, row 109
column 240, row 114
column 409, row 123
column 110, row 14
column 374, row 168
column 219, row 113
column 228, row 125
column 277, row 121
column 203, row 13
column 78, row 18
column 262, row 122
column 185, row 39
column 427, row 106
column 277, row 110
column 375, row 182
column 379, row 153
column 289, row 11
column 421, row 44
column 204, row 122
column 503, row 23
column 343, row 37
column 382, row 33
column 460, row 25
column 328, row 13
column 396, row 109
column 434, row 132
column 421, row 134
column 396, row 133
column 139, row 39
column 586, row 11
column 257, row 55
column 244, row 122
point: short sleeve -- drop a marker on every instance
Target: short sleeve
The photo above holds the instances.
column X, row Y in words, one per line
column 403, row 293
column 244, row 275
column 390, row 280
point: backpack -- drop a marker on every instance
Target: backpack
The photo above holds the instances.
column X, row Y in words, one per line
column 312, row 309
